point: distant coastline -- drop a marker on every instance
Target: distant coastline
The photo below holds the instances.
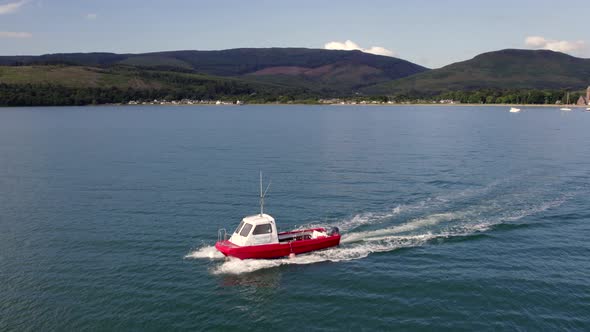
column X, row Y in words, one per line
column 291, row 76
column 353, row 105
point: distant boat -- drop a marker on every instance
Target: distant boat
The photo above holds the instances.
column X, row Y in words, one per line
column 514, row 110
column 567, row 103
column 588, row 109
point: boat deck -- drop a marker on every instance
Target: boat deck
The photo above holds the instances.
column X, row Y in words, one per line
column 298, row 235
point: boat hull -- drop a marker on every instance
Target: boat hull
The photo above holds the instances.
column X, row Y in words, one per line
column 277, row 250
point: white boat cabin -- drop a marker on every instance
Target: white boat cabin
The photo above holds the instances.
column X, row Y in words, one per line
column 255, row 230
column 261, row 229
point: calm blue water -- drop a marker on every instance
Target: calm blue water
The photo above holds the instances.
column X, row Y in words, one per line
column 460, row 218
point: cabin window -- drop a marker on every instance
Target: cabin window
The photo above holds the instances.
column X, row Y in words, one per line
column 262, row 229
column 246, row 230
column 239, row 227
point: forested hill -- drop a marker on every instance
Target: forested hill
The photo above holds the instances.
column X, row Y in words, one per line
column 232, row 62
column 330, row 71
column 287, row 75
column 253, row 74
column 500, row 70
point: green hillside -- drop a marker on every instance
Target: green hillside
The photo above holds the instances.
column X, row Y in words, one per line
column 500, row 70
column 75, row 76
column 325, row 71
column 286, row 75
column 79, row 85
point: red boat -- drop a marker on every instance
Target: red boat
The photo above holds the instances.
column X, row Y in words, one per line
column 257, row 237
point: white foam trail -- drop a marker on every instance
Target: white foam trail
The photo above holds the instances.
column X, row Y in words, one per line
column 511, row 216
column 361, row 244
column 367, row 218
column 205, row 252
column 236, row 266
column 537, row 209
column 372, row 218
column 412, row 225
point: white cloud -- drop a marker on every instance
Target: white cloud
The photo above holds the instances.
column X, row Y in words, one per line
column 8, row 34
column 565, row 46
column 91, row 16
column 11, row 7
column 535, row 41
column 349, row 45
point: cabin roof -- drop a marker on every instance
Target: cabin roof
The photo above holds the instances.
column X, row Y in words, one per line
column 259, row 219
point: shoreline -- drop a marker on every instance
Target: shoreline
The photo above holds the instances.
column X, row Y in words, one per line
column 306, row 104
column 370, row 105
column 471, row 105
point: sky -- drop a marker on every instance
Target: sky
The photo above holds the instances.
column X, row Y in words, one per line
column 432, row 33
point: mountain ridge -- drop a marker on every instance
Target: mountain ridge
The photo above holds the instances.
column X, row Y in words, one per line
column 287, row 75
column 503, row 69
column 241, row 62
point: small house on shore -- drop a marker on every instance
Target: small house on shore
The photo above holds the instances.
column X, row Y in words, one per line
column 584, row 100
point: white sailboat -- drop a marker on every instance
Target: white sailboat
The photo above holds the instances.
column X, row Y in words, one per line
column 567, row 103
column 514, row 110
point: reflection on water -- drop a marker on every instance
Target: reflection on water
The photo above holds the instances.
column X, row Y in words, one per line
column 268, row 278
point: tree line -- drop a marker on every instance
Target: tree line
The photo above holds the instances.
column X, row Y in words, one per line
column 59, row 95
column 197, row 89
column 497, row 96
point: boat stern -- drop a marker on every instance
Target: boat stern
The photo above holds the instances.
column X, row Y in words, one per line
column 225, row 247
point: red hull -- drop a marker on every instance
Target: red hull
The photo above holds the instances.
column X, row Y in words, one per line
column 277, row 250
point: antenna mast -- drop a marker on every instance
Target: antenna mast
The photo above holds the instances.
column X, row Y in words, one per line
column 262, row 194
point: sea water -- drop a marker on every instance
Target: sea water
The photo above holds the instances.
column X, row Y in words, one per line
column 459, row 218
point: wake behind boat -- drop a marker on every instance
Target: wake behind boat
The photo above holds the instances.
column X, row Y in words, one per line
column 257, row 237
